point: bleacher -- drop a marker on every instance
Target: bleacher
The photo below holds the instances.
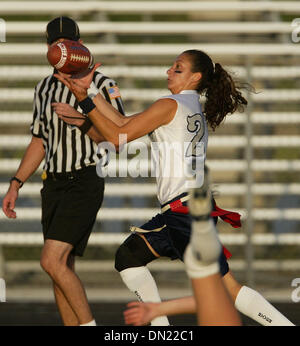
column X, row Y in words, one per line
column 254, row 157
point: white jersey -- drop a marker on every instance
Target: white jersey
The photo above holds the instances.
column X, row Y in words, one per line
column 179, row 143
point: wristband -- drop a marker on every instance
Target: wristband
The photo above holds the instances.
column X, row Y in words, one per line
column 92, row 91
column 87, row 105
column 18, row 180
column 87, row 124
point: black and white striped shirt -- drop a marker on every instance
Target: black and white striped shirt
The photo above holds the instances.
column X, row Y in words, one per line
column 66, row 147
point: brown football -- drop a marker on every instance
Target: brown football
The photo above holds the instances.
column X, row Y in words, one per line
column 69, row 57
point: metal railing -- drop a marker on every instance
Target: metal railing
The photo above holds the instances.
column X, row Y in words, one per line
column 246, row 165
column 86, row 7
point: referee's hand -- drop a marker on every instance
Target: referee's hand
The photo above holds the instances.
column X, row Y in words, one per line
column 9, row 202
column 68, row 113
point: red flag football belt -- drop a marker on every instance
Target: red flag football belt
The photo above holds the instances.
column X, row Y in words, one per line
column 233, row 218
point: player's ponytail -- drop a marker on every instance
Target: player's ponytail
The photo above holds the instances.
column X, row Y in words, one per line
column 222, row 94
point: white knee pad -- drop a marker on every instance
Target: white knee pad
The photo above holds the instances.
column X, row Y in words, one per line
column 196, row 269
column 202, row 254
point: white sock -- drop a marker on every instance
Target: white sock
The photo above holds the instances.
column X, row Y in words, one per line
column 140, row 281
column 254, row 305
column 88, row 324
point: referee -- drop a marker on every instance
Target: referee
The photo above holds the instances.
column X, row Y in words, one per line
column 72, row 192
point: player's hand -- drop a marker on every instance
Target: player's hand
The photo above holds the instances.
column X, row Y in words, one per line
column 139, row 314
column 68, row 113
column 79, row 83
column 9, row 202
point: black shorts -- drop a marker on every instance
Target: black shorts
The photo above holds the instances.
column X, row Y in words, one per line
column 70, row 205
column 172, row 235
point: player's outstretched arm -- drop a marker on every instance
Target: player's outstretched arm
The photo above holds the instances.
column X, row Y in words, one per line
column 159, row 113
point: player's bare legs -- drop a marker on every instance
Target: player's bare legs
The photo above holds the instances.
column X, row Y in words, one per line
column 54, row 261
column 213, row 302
column 214, row 305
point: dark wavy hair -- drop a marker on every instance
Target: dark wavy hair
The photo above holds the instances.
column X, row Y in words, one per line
column 222, row 93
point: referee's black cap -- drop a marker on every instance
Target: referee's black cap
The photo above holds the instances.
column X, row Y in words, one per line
column 62, row 27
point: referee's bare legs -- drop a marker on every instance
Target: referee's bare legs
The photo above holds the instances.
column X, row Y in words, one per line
column 70, row 295
column 67, row 314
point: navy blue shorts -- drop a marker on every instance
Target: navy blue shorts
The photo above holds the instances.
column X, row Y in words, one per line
column 172, row 240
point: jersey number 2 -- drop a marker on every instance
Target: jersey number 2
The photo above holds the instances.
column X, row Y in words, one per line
column 195, row 125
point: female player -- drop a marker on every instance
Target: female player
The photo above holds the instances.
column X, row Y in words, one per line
column 176, row 118
column 211, row 300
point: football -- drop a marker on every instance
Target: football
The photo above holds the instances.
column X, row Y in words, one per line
column 69, row 57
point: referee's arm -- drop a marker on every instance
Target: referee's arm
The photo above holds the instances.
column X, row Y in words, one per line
column 31, row 160
column 35, row 151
